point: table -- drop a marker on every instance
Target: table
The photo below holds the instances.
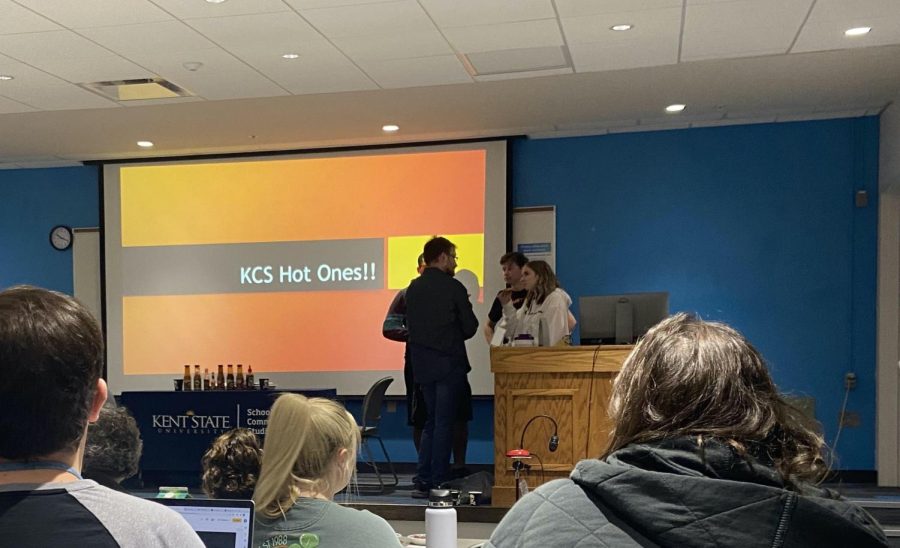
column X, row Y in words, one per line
column 178, row 427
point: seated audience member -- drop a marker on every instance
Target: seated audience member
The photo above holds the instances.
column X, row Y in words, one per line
column 231, row 465
column 51, row 357
column 545, row 315
column 704, row 452
column 113, row 448
column 309, row 455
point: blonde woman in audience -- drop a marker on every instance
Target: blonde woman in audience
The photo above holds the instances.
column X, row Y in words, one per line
column 309, row 456
column 545, row 316
column 231, row 465
column 704, row 453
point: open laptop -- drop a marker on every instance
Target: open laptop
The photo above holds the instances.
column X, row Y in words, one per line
column 219, row 523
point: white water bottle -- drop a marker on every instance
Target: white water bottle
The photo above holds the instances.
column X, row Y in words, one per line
column 440, row 520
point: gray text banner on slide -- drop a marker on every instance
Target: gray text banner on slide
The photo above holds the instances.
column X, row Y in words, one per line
column 331, row 265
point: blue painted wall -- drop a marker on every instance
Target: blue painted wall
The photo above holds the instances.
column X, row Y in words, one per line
column 32, row 201
column 752, row 225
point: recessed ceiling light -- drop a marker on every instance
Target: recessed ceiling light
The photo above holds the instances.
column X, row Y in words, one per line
column 677, row 107
column 621, row 27
column 857, row 31
column 145, row 144
column 290, row 55
column 390, row 128
column 6, row 77
column 215, row 1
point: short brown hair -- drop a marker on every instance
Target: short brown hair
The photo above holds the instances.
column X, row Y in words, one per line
column 688, row 377
column 231, row 465
column 435, row 247
column 51, row 356
column 514, row 257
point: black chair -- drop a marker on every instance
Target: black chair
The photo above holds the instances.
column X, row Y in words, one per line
column 371, row 418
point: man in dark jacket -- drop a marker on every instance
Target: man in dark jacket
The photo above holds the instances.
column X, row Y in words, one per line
column 440, row 319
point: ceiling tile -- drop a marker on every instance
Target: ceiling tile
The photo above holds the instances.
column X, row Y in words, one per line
column 26, row 76
column 67, row 97
column 825, row 27
column 647, row 25
column 581, row 8
column 370, row 19
column 527, row 74
column 422, row 71
column 97, row 13
column 313, row 4
column 214, row 60
column 320, row 69
column 741, row 28
column 237, row 84
column 871, row 10
column 525, row 34
column 8, row 106
column 394, row 46
column 826, row 35
column 197, row 8
column 37, row 47
column 279, row 32
column 164, row 37
column 518, row 60
column 15, row 19
column 95, row 69
column 625, row 55
column 464, row 13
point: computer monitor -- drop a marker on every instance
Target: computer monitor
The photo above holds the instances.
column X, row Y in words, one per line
column 620, row 319
column 219, row 523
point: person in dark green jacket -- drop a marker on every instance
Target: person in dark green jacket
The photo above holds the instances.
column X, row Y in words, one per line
column 704, row 453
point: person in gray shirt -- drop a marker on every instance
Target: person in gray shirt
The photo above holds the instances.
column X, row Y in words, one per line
column 51, row 358
column 308, row 456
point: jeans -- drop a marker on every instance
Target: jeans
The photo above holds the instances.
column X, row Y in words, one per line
column 441, row 400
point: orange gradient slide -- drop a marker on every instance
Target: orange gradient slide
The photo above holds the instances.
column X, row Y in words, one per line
column 285, row 265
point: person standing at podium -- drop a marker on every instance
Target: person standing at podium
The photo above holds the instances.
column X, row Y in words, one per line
column 512, row 264
column 440, row 319
column 544, row 318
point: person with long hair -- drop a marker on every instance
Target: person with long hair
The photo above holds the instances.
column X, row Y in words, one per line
column 704, row 452
column 545, row 315
column 231, row 465
column 309, row 455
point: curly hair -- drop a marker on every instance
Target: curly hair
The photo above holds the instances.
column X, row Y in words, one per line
column 231, row 465
column 113, row 445
column 688, row 377
column 546, row 282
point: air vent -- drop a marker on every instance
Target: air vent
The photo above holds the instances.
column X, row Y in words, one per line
column 139, row 89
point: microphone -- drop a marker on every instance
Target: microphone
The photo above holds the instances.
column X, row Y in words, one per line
column 553, row 445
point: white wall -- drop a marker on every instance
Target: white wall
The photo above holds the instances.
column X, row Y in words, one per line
column 888, row 410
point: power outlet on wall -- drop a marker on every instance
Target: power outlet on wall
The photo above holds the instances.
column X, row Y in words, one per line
column 849, row 380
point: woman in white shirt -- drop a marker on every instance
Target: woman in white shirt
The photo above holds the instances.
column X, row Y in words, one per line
column 545, row 316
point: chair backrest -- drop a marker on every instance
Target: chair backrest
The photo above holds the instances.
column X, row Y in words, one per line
column 371, row 409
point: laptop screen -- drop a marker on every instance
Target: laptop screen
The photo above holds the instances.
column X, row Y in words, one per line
column 218, row 523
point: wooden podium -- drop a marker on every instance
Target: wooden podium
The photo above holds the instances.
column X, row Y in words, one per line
column 573, row 385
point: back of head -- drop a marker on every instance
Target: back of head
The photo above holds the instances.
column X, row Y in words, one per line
column 231, row 465
column 435, row 247
column 113, row 446
column 303, row 438
column 51, row 356
column 688, row 377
